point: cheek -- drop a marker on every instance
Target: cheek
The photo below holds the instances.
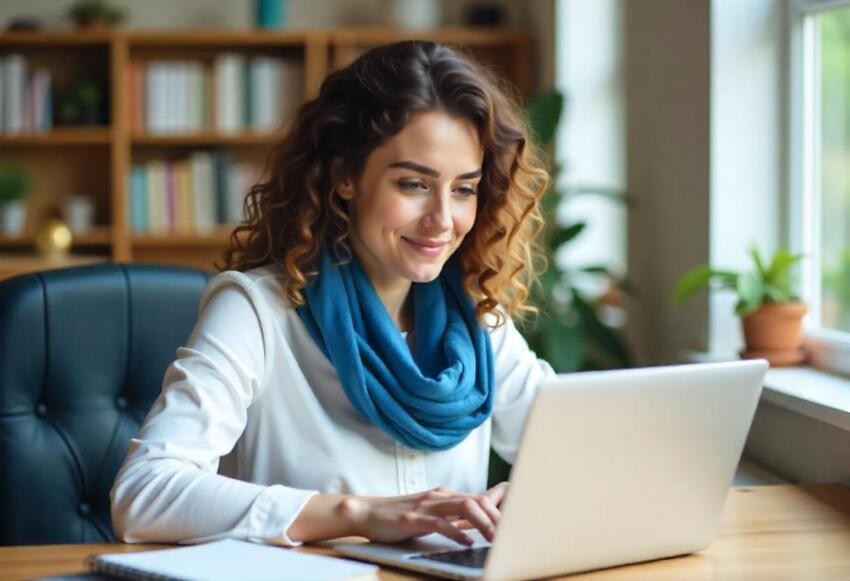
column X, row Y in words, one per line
column 465, row 218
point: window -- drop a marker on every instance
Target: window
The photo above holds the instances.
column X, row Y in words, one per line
column 820, row 178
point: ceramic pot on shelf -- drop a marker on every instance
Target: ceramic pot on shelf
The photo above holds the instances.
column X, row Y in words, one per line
column 775, row 332
column 13, row 216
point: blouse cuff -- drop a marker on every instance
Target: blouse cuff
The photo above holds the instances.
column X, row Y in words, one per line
column 273, row 513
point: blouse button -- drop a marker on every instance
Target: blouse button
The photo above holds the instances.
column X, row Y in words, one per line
column 41, row 410
column 121, row 402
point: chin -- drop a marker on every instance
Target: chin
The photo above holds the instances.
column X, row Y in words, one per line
column 425, row 274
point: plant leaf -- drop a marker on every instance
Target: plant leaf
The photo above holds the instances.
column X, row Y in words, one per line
column 544, row 112
column 750, row 293
column 780, row 267
column 603, row 336
column 564, row 235
column 564, row 345
column 754, row 252
column 691, row 282
column 776, row 294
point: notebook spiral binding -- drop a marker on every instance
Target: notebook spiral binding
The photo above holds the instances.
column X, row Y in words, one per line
column 97, row 565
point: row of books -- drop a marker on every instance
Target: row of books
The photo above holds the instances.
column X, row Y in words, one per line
column 193, row 195
column 232, row 94
column 25, row 101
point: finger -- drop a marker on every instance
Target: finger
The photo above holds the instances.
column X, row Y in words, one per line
column 497, row 493
column 444, row 527
column 490, row 508
column 469, row 509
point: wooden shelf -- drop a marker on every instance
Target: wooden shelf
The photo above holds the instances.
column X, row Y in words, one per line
column 68, row 37
column 220, row 237
column 215, row 38
column 60, row 136
column 94, row 237
column 203, row 139
column 96, row 161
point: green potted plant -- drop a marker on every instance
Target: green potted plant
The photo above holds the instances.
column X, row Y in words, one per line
column 83, row 104
column 14, row 188
column 93, row 14
column 771, row 313
column 90, row 97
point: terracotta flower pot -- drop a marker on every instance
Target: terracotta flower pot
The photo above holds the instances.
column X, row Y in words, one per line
column 775, row 332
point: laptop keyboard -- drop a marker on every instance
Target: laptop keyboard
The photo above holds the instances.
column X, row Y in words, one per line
column 473, row 557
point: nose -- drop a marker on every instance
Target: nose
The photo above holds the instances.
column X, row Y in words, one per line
column 440, row 211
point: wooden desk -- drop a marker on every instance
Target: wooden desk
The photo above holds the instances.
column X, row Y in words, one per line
column 766, row 532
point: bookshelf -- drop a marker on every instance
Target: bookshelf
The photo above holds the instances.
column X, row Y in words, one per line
column 97, row 161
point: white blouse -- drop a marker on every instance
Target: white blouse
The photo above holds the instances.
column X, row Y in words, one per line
column 252, row 421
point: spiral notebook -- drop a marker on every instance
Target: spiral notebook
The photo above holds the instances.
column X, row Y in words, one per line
column 229, row 559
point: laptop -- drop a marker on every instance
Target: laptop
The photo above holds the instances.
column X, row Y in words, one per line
column 614, row 467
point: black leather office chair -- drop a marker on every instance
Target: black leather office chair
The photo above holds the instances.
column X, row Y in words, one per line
column 82, row 356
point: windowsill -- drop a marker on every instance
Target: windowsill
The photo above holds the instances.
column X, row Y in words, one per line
column 811, row 392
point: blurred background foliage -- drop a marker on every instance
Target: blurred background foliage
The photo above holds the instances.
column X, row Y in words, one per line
column 570, row 331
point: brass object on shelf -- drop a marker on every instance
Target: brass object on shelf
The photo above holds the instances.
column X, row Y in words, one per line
column 54, row 239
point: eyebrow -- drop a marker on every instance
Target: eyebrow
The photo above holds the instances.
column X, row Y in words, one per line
column 412, row 165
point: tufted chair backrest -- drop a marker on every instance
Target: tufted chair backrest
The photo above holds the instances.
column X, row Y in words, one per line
column 82, row 355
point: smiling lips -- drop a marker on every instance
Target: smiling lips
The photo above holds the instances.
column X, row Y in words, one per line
column 428, row 248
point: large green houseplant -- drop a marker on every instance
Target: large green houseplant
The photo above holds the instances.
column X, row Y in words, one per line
column 569, row 332
column 770, row 310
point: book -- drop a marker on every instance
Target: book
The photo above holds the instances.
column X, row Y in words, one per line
column 229, row 559
column 230, row 75
column 14, row 91
column 140, row 207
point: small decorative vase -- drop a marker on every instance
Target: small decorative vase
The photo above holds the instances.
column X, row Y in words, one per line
column 269, row 13
column 414, row 14
column 78, row 212
column 775, row 332
column 13, row 216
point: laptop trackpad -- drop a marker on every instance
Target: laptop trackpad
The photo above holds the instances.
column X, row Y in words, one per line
column 433, row 543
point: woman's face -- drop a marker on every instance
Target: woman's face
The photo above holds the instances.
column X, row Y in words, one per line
column 415, row 200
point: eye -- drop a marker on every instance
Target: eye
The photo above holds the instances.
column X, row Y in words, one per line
column 412, row 185
column 466, row 191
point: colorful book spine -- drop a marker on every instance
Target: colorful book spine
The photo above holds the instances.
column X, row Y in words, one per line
column 229, row 71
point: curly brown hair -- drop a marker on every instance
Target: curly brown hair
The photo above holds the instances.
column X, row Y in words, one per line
column 293, row 210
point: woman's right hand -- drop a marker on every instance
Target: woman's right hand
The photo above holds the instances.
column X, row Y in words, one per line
column 441, row 510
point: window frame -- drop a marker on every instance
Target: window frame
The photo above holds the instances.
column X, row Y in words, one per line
column 830, row 350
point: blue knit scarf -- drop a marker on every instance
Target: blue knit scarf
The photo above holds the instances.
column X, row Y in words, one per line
column 429, row 400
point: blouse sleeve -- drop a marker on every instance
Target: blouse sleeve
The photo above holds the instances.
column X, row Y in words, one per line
column 518, row 373
column 168, row 489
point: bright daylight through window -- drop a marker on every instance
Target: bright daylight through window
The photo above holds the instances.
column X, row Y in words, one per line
column 832, row 168
column 823, row 193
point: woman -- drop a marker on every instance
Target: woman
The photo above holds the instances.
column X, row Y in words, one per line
column 358, row 359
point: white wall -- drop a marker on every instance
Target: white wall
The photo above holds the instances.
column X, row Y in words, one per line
column 239, row 13
column 667, row 112
column 705, row 160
